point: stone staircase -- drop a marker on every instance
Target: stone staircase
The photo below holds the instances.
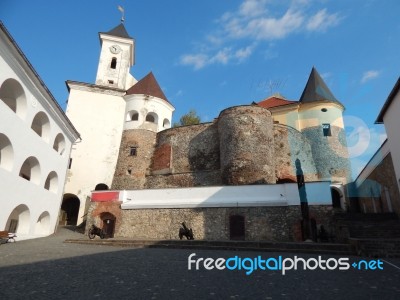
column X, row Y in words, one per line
column 314, row 248
column 373, row 235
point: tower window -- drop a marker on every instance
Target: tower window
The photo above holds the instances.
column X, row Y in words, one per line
column 135, row 117
column 111, row 81
column 133, row 151
column 113, row 63
column 150, row 118
column 326, row 129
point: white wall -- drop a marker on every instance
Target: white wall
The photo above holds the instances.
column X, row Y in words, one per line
column 99, row 118
column 318, row 193
column 392, row 124
column 16, row 191
column 120, row 75
column 145, row 104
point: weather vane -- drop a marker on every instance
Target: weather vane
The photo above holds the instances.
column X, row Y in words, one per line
column 121, row 9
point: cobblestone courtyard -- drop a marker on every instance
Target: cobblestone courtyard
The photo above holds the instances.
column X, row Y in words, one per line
column 47, row 268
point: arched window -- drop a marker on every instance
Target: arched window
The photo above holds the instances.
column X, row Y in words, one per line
column 6, row 153
column 113, row 63
column 51, row 183
column 59, row 144
column 13, row 95
column 166, row 123
column 19, row 220
column 335, row 198
column 41, row 125
column 152, row 117
column 101, row 187
column 133, row 115
column 30, row 170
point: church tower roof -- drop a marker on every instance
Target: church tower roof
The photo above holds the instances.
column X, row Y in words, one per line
column 148, row 85
column 118, row 31
column 316, row 90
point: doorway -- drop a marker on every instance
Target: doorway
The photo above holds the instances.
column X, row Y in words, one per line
column 108, row 224
column 236, row 227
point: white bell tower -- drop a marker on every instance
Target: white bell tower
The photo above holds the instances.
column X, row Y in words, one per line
column 116, row 57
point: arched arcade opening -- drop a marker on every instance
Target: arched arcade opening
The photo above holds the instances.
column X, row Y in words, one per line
column 19, row 220
column 69, row 210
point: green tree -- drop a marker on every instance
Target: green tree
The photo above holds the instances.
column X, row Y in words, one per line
column 191, row 118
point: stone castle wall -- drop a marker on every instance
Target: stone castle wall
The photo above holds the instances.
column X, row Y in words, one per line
column 290, row 145
column 131, row 170
column 242, row 146
column 330, row 153
column 246, row 145
column 261, row 223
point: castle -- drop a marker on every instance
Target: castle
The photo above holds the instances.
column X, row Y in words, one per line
column 237, row 173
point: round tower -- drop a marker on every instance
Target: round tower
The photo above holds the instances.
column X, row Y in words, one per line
column 147, row 107
column 246, row 145
column 321, row 122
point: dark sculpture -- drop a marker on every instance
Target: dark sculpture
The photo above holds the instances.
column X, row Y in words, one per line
column 184, row 231
column 94, row 230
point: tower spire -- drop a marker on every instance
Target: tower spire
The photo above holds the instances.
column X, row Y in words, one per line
column 121, row 9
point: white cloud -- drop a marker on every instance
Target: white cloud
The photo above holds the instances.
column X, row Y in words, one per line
column 368, row 75
column 222, row 56
column 258, row 21
column 243, row 53
column 322, row 20
column 252, row 8
column 198, row 61
column 269, row 28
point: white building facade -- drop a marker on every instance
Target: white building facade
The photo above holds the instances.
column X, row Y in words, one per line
column 35, row 143
column 101, row 112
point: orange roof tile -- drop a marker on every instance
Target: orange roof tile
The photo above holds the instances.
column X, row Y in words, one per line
column 148, row 85
column 274, row 102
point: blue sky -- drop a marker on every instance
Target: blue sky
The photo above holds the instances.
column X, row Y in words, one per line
column 209, row 55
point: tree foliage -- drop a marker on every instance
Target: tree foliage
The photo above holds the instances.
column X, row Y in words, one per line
column 191, row 118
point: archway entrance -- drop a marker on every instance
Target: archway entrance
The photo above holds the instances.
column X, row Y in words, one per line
column 335, row 198
column 19, row 220
column 236, row 227
column 69, row 210
column 108, row 223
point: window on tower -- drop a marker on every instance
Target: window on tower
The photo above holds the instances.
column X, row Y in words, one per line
column 326, row 129
column 113, row 63
column 150, row 118
column 135, row 117
column 133, row 151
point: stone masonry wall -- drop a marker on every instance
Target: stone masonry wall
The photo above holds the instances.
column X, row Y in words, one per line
column 290, row 145
column 194, row 148
column 192, row 158
column 131, row 171
column 246, row 145
column 330, row 153
column 261, row 223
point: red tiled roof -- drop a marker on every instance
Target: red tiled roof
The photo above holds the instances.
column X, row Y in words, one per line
column 274, row 102
column 148, row 85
